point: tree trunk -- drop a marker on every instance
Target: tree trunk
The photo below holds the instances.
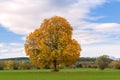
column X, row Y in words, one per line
column 55, row 66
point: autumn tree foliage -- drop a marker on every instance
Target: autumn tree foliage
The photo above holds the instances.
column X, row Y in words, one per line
column 52, row 44
column 9, row 64
column 115, row 64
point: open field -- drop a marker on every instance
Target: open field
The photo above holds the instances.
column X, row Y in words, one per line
column 64, row 74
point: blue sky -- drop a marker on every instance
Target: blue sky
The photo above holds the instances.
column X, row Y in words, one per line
column 9, row 37
column 108, row 11
column 96, row 24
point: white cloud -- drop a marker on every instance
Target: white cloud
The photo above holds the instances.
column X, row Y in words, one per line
column 23, row 16
column 88, row 33
column 24, row 38
column 101, row 27
column 11, row 50
column 108, row 27
column 98, row 50
column 86, row 37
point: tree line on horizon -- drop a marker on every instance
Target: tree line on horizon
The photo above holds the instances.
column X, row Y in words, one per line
column 83, row 62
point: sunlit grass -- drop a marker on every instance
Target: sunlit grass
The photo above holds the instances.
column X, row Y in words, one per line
column 64, row 74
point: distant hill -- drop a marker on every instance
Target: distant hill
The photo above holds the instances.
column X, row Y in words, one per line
column 86, row 59
column 81, row 59
column 114, row 58
column 17, row 59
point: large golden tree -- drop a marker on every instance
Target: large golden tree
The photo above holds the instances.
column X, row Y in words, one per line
column 52, row 44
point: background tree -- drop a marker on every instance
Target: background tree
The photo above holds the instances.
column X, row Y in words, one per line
column 103, row 61
column 16, row 66
column 1, row 65
column 9, row 64
column 22, row 65
column 52, row 44
column 115, row 64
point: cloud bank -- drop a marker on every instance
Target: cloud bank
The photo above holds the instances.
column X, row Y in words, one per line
column 23, row 16
column 11, row 50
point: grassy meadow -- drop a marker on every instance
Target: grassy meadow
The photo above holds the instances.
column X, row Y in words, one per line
column 64, row 74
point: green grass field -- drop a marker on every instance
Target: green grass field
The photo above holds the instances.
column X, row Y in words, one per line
column 64, row 74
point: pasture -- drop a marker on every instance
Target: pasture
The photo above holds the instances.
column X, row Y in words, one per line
column 63, row 74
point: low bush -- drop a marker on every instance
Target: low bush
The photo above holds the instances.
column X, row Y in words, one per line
column 115, row 65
